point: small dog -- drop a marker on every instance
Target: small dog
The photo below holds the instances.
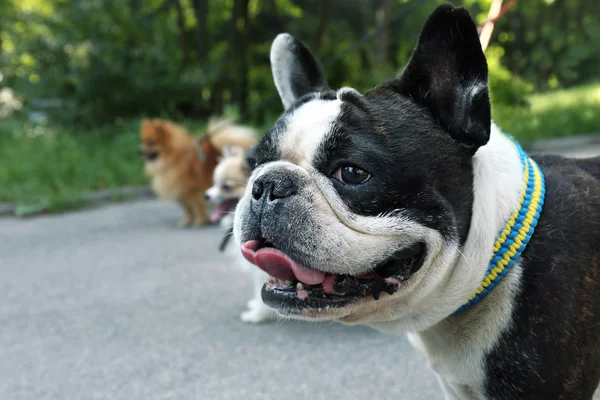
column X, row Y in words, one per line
column 181, row 165
column 229, row 184
column 406, row 209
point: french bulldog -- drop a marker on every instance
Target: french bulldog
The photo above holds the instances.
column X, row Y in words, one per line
column 384, row 209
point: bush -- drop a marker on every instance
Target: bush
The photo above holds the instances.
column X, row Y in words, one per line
column 505, row 88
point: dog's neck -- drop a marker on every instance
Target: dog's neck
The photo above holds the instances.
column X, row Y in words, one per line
column 513, row 237
column 455, row 345
column 497, row 188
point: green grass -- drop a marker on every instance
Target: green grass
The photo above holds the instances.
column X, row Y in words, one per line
column 45, row 168
column 553, row 114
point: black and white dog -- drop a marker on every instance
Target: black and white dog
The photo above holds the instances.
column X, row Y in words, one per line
column 385, row 209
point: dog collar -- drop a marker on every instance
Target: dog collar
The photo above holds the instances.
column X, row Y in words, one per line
column 514, row 236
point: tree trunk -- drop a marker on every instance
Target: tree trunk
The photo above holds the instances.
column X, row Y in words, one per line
column 383, row 15
column 201, row 13
column 182, row 38
column 243, row 56
column 224, row 83
column 486, row 31
column 326, row 11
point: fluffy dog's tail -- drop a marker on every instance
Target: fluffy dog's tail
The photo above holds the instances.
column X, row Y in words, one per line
column 223, row 132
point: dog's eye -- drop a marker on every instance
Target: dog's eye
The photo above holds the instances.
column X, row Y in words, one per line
column 226, row 187
column 251, row 162
column 351, row 175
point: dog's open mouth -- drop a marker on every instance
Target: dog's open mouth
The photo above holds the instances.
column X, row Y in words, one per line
column 223, row 208
column 149, row 155
column 296, row 287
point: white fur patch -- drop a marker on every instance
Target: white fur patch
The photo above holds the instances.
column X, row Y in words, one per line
column 307, row 127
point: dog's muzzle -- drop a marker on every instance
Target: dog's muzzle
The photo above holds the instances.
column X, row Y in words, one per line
column 148, row 155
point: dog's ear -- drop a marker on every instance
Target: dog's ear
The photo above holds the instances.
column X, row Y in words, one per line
column 295, row 70
column 447, row 73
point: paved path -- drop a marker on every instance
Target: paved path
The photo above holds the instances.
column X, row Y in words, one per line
column 116, row 303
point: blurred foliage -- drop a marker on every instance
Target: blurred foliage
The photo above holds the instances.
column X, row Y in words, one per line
column 47, row 165
column 99, row 61
column 562, row 112
column 62, row 164
column 552, row 43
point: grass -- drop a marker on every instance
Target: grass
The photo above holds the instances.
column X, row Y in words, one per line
column 45, row 168
column 553, row 114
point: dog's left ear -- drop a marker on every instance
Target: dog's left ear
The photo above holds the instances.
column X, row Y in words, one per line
column 295, row 70
column 447, row 73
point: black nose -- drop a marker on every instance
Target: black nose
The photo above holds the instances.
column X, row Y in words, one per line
column 274, row 186
column 206, row 196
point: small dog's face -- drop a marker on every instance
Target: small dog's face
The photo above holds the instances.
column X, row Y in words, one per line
column 154, row 137
column 358, row 204
column 229, row 181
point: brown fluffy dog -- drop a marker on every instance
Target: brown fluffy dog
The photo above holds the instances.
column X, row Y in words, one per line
column 181, row 166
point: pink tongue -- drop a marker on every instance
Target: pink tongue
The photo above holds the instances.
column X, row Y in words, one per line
column 280, row 266
column 219, row 211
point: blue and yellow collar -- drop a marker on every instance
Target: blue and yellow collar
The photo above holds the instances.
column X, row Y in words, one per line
column 517, row 232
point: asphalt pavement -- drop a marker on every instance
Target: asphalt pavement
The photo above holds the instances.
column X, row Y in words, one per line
column 118, row 303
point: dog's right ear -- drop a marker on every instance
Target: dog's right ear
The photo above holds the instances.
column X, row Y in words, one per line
column 295, row 70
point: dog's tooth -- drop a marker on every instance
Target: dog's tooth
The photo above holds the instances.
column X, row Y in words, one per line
column 288, row 283
column 299, row 285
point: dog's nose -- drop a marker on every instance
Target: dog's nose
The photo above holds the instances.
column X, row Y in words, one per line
column 206, row 196
column 273, row 186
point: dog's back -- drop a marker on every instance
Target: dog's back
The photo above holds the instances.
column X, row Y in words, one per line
column 590, row 165
column 556, row 316
column 224, row 132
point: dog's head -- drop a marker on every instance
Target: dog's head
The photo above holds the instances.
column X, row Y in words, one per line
column 229, row 181
column 155, row 136
column 358, row 203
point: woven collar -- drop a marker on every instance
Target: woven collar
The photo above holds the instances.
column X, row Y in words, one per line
column 514, row 236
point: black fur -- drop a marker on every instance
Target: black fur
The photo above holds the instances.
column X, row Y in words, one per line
column 553, row 348
column 447, row 73
column 414, row 164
